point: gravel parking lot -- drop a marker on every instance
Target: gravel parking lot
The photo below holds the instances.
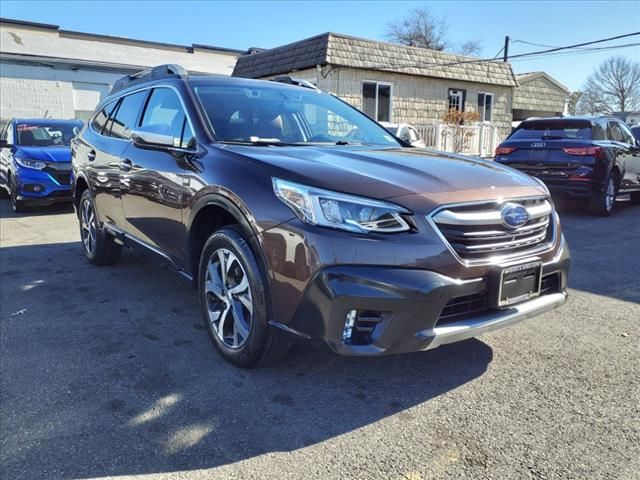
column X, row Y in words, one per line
column 108, row 372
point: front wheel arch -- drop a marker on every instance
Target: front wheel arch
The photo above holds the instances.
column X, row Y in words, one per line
column 212, row 212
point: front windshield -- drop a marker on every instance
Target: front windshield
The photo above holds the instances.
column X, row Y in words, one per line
column 46, row 134
column 276, row 114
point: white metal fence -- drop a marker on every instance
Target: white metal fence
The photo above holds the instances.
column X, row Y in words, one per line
column 480, row 140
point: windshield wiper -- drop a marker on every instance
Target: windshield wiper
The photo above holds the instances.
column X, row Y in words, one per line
column 264, row 143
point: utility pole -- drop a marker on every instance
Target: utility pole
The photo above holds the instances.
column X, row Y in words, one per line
column 506, row 48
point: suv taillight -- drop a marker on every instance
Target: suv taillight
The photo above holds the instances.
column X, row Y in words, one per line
column 505, row 150
column 596, row 152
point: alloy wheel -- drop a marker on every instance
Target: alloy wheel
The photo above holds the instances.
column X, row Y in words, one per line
column 229, row 301
column 610, row 194
column 88, row 227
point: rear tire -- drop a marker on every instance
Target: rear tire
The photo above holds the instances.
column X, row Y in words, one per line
column 602, row 203
column 233, row 298
column 99, row 247
column 4, row 193
column 635, row 198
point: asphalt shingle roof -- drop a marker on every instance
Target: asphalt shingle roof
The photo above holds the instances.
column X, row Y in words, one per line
column 342, row 50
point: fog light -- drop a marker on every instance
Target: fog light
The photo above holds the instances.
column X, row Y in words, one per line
column 349, row 323
column 37, row 188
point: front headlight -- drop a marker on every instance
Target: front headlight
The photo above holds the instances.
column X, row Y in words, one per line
column 341, row 211
column 28, row 163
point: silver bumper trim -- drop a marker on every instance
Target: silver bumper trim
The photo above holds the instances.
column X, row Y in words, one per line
column 455, row 332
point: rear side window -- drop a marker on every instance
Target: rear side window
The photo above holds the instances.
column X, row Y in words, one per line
column 165, row 108
column 100, row 120
column 627, row 135
column 553, row 130
column 126, row 116
column 615, row 133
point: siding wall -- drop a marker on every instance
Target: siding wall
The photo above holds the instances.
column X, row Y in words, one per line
column 539, row 95
column 415, row 100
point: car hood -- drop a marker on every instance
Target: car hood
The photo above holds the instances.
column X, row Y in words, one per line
column 46, row 154
column 393, row 173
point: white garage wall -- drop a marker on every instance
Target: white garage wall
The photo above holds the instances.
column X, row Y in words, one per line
column 86, row 96
column 38, row 91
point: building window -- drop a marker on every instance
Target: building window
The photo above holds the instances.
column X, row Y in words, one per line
column 456, row 99
column 485, row 106
column 376, row 100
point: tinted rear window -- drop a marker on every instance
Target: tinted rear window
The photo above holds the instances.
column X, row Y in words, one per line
column 551, row 130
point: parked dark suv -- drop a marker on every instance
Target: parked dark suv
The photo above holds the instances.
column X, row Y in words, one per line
column 589, row 158
column 300, row 219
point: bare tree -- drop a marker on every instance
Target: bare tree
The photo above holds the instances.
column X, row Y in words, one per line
column 470, row 48
column 614, row 86
column 419, row 29
column 572, row 102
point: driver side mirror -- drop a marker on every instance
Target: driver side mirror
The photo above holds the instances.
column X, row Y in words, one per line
column 4, row 144
column 155, row 136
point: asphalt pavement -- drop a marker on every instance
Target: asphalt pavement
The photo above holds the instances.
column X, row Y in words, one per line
column 108, row 372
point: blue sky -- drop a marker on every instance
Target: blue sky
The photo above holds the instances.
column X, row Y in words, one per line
column 270, row 23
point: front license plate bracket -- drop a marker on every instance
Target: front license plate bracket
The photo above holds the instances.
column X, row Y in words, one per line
column 519, row 283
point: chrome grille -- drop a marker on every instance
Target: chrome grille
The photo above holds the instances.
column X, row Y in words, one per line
column 476, row 232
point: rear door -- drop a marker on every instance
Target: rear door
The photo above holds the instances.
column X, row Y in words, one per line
column 105, row 140
column 154, row 185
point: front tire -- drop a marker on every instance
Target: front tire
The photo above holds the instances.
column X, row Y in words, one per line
column 18, row 206
column 233, row 298
column 635, row 198
column 99, row 247
column 603, row 202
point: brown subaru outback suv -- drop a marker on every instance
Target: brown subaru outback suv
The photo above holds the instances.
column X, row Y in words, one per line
column 300, row 219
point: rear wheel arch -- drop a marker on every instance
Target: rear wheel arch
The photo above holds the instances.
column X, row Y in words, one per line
column 81, row 185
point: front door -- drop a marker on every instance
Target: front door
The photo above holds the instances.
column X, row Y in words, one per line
column 153, row 179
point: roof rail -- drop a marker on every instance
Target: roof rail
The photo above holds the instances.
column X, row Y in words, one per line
column 294, row 81
column 155, row 73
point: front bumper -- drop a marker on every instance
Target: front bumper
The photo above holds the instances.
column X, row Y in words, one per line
column 402, row 310
column 40, row 187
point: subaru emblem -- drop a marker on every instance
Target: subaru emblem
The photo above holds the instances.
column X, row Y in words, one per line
column 514, row 215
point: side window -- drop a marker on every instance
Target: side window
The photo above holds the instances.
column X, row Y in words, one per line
column 626, row 134
column 615, row 133
column 101, row 118
column 10, row 139
column 126, row 115
column 164, row 108
column 597, row 132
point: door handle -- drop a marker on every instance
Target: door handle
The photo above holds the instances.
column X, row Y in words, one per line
column 126, row 165
column 91, row 156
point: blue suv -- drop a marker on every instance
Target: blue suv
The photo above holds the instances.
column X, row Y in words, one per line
column 35, row 161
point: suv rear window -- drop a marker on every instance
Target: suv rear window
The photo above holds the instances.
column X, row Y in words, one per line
column 553, row 130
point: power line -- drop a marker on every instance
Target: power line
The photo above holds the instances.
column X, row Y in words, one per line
column 555, row 49
column 581, row 51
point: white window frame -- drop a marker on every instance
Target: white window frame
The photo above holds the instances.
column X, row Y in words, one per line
column 484, row 107
column 378, row 83
column 460, row 94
